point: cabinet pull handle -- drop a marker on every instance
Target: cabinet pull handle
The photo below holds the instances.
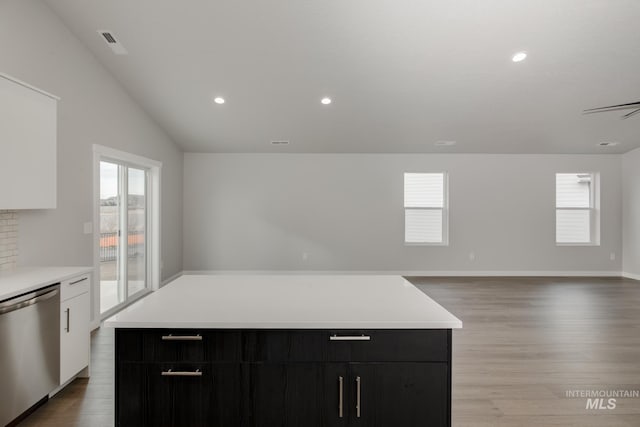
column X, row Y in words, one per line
column 172, row 373
column 171, row 337
column 358, row 397
column 68, row 328
column 340, row 396
column 349, row 338
column 78, row 281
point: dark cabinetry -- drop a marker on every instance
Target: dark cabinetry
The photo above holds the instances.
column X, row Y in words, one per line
column 401, row 394
column 293, row 394
column 178, row 378
column 279, row 378
column 153, row 394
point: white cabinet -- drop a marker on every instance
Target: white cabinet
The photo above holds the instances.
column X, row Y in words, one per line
column 28, row 127
column 74, row 324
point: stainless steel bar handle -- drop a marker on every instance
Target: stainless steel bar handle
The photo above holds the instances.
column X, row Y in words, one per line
column 27, row 300
column 171, row 337
column 349, row 338
column 172, row 373
column 68, row 324
column 340, row 396
column 358, row 397
column 78, row 281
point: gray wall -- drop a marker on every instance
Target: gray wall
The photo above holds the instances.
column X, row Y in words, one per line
column 631, row 213
column 264, row 211
column 37, row 48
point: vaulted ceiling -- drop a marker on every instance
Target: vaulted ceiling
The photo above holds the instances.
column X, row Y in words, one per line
column 402, row 74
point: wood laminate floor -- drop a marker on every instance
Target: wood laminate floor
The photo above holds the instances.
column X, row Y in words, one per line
column 525, row 343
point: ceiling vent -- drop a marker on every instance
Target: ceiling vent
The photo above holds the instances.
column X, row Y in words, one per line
column 112, row 42
column 444, row 143
column 280, row 142
column 608, row 143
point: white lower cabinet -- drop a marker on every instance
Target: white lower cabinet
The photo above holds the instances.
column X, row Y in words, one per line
column 74, row 327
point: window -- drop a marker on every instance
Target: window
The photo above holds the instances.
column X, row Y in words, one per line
column 127, row 231
column 425, row 208
column 123, row 232
column 576, row 214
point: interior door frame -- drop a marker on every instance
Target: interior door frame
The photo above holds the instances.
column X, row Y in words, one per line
column 154, row 169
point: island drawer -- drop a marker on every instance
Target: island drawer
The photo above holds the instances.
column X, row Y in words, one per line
column 178, row 345
column 431, row 345
column 178, row 394
column 390, row 345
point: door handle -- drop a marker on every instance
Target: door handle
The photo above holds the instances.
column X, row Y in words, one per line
column 172, row 373
column 78, row 281
column 171, row 337
column 68, row 324
column 340, row 396
column 27, row 300
column 358, row 396
column 349, row 338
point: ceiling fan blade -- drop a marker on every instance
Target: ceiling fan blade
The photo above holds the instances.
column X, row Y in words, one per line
column 612, row 107
column 631, row 114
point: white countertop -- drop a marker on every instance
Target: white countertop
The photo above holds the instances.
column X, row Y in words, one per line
column 26, row 279
column 286, row 302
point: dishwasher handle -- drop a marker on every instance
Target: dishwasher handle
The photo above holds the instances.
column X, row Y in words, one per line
column 27, row 300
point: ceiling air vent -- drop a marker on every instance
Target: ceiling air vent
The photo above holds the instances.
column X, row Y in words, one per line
column 112, row 42
column 608, row 143
column 280, row 142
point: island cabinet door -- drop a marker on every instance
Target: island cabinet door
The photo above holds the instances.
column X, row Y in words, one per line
column 399, row 394
column 178, row 395
column 296, row 394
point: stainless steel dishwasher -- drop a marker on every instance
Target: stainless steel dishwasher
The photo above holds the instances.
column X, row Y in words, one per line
column 29, row 350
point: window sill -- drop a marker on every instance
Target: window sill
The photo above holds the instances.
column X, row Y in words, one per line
column 577, row 244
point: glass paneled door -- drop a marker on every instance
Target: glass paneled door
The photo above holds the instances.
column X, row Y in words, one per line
column 123, row 234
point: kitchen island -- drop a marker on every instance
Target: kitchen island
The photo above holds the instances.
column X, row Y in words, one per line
column 267, row 350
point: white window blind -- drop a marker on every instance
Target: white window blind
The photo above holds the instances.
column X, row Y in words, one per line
column 574, row 208
column 424, row 207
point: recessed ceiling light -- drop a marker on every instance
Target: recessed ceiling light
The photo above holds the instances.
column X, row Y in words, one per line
column 326, row 100
column 608, row 143
column 520, row 56
column 444, row 143
column 218, row 100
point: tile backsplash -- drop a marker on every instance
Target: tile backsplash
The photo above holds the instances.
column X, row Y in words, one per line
column 8, row 239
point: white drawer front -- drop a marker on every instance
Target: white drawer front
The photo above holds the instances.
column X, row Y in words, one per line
column 75, row 286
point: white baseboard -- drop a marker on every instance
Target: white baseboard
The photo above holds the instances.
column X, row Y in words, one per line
column 171, row 279
column 428, row 273
column 630, row 275
column 518, row 273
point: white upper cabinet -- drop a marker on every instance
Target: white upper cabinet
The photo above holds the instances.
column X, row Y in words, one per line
column 28, row 127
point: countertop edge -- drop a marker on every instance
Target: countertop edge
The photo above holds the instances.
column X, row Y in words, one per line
column 282, row 325
column 54, row 278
